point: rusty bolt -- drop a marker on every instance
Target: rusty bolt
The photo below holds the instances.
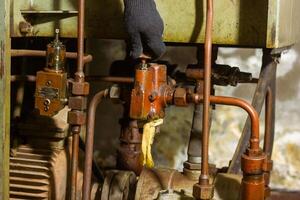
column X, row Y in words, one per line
column 25, row 27
column 78, row 103
column 76, row 117
column 203, row 191
column 80, row 88
column 180, row 97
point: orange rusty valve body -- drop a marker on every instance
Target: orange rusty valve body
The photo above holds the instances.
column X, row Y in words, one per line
column 151, row 92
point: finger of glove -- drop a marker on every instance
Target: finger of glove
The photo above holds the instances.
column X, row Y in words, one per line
column 156, row 46
column 136, row 46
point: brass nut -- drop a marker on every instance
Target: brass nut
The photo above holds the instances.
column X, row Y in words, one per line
column 203, row 191
column 252, row 164
column 76, row 117
column 180, row 97
column 78, row 103
column 80, row 88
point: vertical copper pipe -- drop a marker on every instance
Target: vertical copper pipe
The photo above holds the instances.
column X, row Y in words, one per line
column 74, row 162
column 87, row 174
column 269, row 135
column 268, row 122
column 204, row 177
column 79, row 76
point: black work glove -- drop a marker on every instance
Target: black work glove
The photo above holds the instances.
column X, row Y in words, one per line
column 145, row 28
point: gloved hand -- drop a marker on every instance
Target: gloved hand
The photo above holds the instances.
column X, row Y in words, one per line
column 145, row 28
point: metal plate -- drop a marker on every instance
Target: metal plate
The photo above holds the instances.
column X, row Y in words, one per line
column 258, row 23
column 5, row 99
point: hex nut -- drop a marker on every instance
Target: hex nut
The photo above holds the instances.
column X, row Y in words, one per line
column 76, row 117
column 203, row 191
column 77, row 103
column 80, row 88
column 252, row 164
column 192, row 166
column 180, row 97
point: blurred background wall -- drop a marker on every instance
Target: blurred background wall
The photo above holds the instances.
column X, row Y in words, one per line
column 170, row 145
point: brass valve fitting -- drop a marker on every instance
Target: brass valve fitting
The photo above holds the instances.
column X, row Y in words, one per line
column 253, row 183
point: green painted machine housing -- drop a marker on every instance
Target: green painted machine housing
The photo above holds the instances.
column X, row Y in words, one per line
column 254, row 23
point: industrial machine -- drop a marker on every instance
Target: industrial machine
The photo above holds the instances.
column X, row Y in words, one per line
column 40, row 149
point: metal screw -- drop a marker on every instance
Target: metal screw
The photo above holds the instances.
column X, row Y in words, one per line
column 46, row 108
column 47, row 102
column 48, row 83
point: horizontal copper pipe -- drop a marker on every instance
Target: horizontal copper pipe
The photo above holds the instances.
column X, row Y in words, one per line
column 29, row 78
column 254, row 140
column 114, row 79
column 37, row 53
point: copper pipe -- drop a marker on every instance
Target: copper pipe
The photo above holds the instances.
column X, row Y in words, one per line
column 29, row 78
column 87, row 174
column 254, row 138
column 37, row 53
column 268, row 122
column 113, row 79
column 74, row 161
column 204, row 177
column 268, row 138
column 79, row 77
column 80, row 43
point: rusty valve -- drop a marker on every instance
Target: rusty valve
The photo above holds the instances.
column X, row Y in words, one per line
column 51, row 83
column 151, row 92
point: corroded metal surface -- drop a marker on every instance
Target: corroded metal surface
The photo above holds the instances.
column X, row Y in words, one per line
column 5, row 98
column 263, row 23
column 30, row 173
column 149, row 95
